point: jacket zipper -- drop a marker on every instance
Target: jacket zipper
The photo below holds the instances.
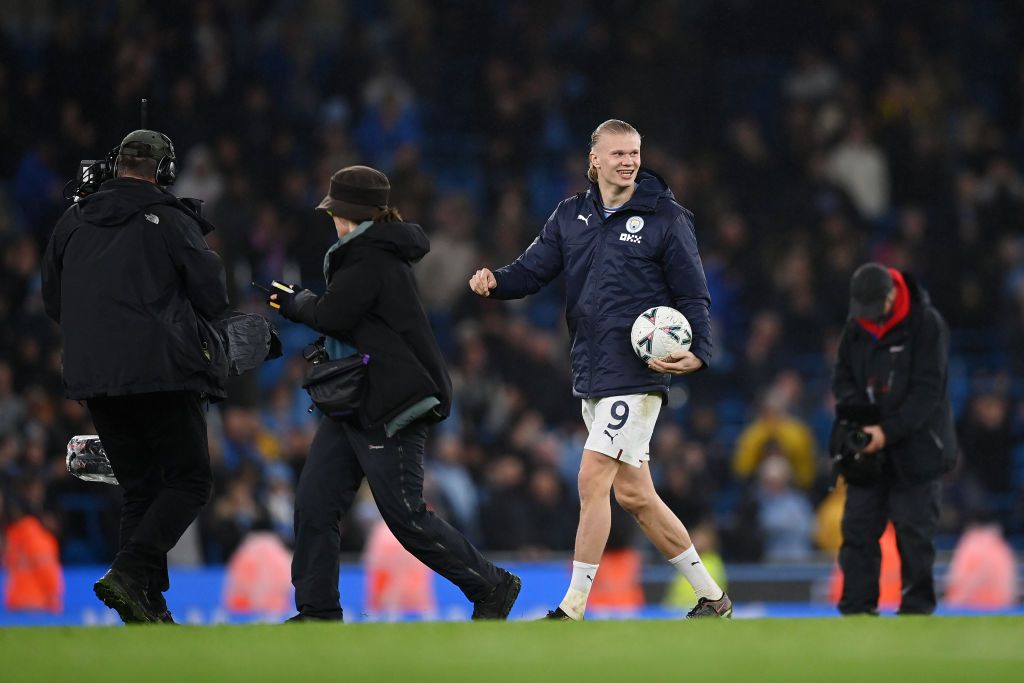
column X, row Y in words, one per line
column 599, row 259
column 204, row 344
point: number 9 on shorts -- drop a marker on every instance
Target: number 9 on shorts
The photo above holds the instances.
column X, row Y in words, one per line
column 621, row 426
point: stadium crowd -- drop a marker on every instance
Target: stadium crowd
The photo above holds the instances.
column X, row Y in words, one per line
column 807, row 138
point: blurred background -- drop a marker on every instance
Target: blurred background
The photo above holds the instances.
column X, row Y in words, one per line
column 806, row 137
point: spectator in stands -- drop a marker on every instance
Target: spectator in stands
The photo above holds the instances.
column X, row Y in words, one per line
column 30, row 558
column 397, row 584
column 505, row 513
column 455, row 485
column 784, row 513
column 234, row 514
column 553, row 514
column 860, row 168
column 685, row 493
column 828, row 534
column 986, row 441
column 279, row 501
column 12, row 406
column 763, row 351
column 452, row 251
column 792, row 436
column 258, row 575
column 983, row 571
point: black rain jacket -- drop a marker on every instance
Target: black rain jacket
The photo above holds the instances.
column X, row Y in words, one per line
column 906, row 374
column 129, row 277
column 372, row 302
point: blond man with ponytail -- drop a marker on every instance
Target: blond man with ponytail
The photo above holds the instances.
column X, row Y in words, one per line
column 624, row 246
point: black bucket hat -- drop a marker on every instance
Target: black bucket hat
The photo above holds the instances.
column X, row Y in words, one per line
column 869, row 288
column 357, row 193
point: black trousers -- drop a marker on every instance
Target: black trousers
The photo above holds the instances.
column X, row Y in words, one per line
column 157, row 447
column 340, row 456
column 914, row 511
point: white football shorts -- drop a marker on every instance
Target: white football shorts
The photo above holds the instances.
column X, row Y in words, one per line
column 621, row 426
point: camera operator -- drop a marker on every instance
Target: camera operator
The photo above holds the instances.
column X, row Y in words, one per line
column 372, row 304
column 894, row 437
column 127, row 274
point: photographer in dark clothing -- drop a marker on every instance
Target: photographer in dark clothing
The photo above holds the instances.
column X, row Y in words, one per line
column 127, row 274
column 893, row 359
column 372, row 305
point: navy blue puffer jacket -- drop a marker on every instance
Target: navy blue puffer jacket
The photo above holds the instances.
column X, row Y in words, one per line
column 643, row 255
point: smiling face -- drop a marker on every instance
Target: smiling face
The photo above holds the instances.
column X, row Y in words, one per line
column 616, row 156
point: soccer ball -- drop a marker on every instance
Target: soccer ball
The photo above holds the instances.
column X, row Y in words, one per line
column 659, row 331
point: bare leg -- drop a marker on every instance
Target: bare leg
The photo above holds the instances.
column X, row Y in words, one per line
column 597, row 472
column 634, row 490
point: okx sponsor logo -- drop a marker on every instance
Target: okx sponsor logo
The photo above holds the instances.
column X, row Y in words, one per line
column 632, row 239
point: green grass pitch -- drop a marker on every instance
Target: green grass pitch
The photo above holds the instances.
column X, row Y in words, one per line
column 915, row 650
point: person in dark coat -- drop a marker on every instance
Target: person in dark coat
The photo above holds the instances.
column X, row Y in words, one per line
column 894, row 355
column 129, row 277
column 372, row 306
column 625, row 245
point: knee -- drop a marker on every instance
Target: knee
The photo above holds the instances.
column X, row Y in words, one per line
column 593, row 491
column 633, row 499
column 917, row 535
column 861, row 537
column 317, row 511
column 198, row 488
column 406, row 521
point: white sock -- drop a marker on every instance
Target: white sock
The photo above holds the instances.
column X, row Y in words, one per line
column 575, row 601
column 689, row 565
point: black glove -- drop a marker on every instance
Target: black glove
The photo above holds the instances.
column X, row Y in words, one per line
column 277, row 297
column 292, row 303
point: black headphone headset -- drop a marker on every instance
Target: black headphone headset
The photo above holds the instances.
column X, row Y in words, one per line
column 166, row 166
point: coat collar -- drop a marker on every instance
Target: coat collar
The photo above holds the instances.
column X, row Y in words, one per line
column 650, row 188
column 342, row 241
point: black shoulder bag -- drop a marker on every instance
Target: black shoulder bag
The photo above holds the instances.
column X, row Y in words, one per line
column 335, row 386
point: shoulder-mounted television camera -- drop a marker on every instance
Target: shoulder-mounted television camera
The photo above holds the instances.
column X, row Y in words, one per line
column 91, row 174
column 143, row 144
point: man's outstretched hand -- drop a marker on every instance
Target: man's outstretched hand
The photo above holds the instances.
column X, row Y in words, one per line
column 482, row 282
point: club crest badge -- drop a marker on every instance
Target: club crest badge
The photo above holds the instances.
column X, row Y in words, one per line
column 635, row 224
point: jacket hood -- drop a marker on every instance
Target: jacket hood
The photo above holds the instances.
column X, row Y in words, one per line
column 650, row 188
column 919, row 300
column 118, row 200
column 918, row 294
column 407, row 240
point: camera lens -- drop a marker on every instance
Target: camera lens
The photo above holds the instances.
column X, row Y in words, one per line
column 858, row 440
